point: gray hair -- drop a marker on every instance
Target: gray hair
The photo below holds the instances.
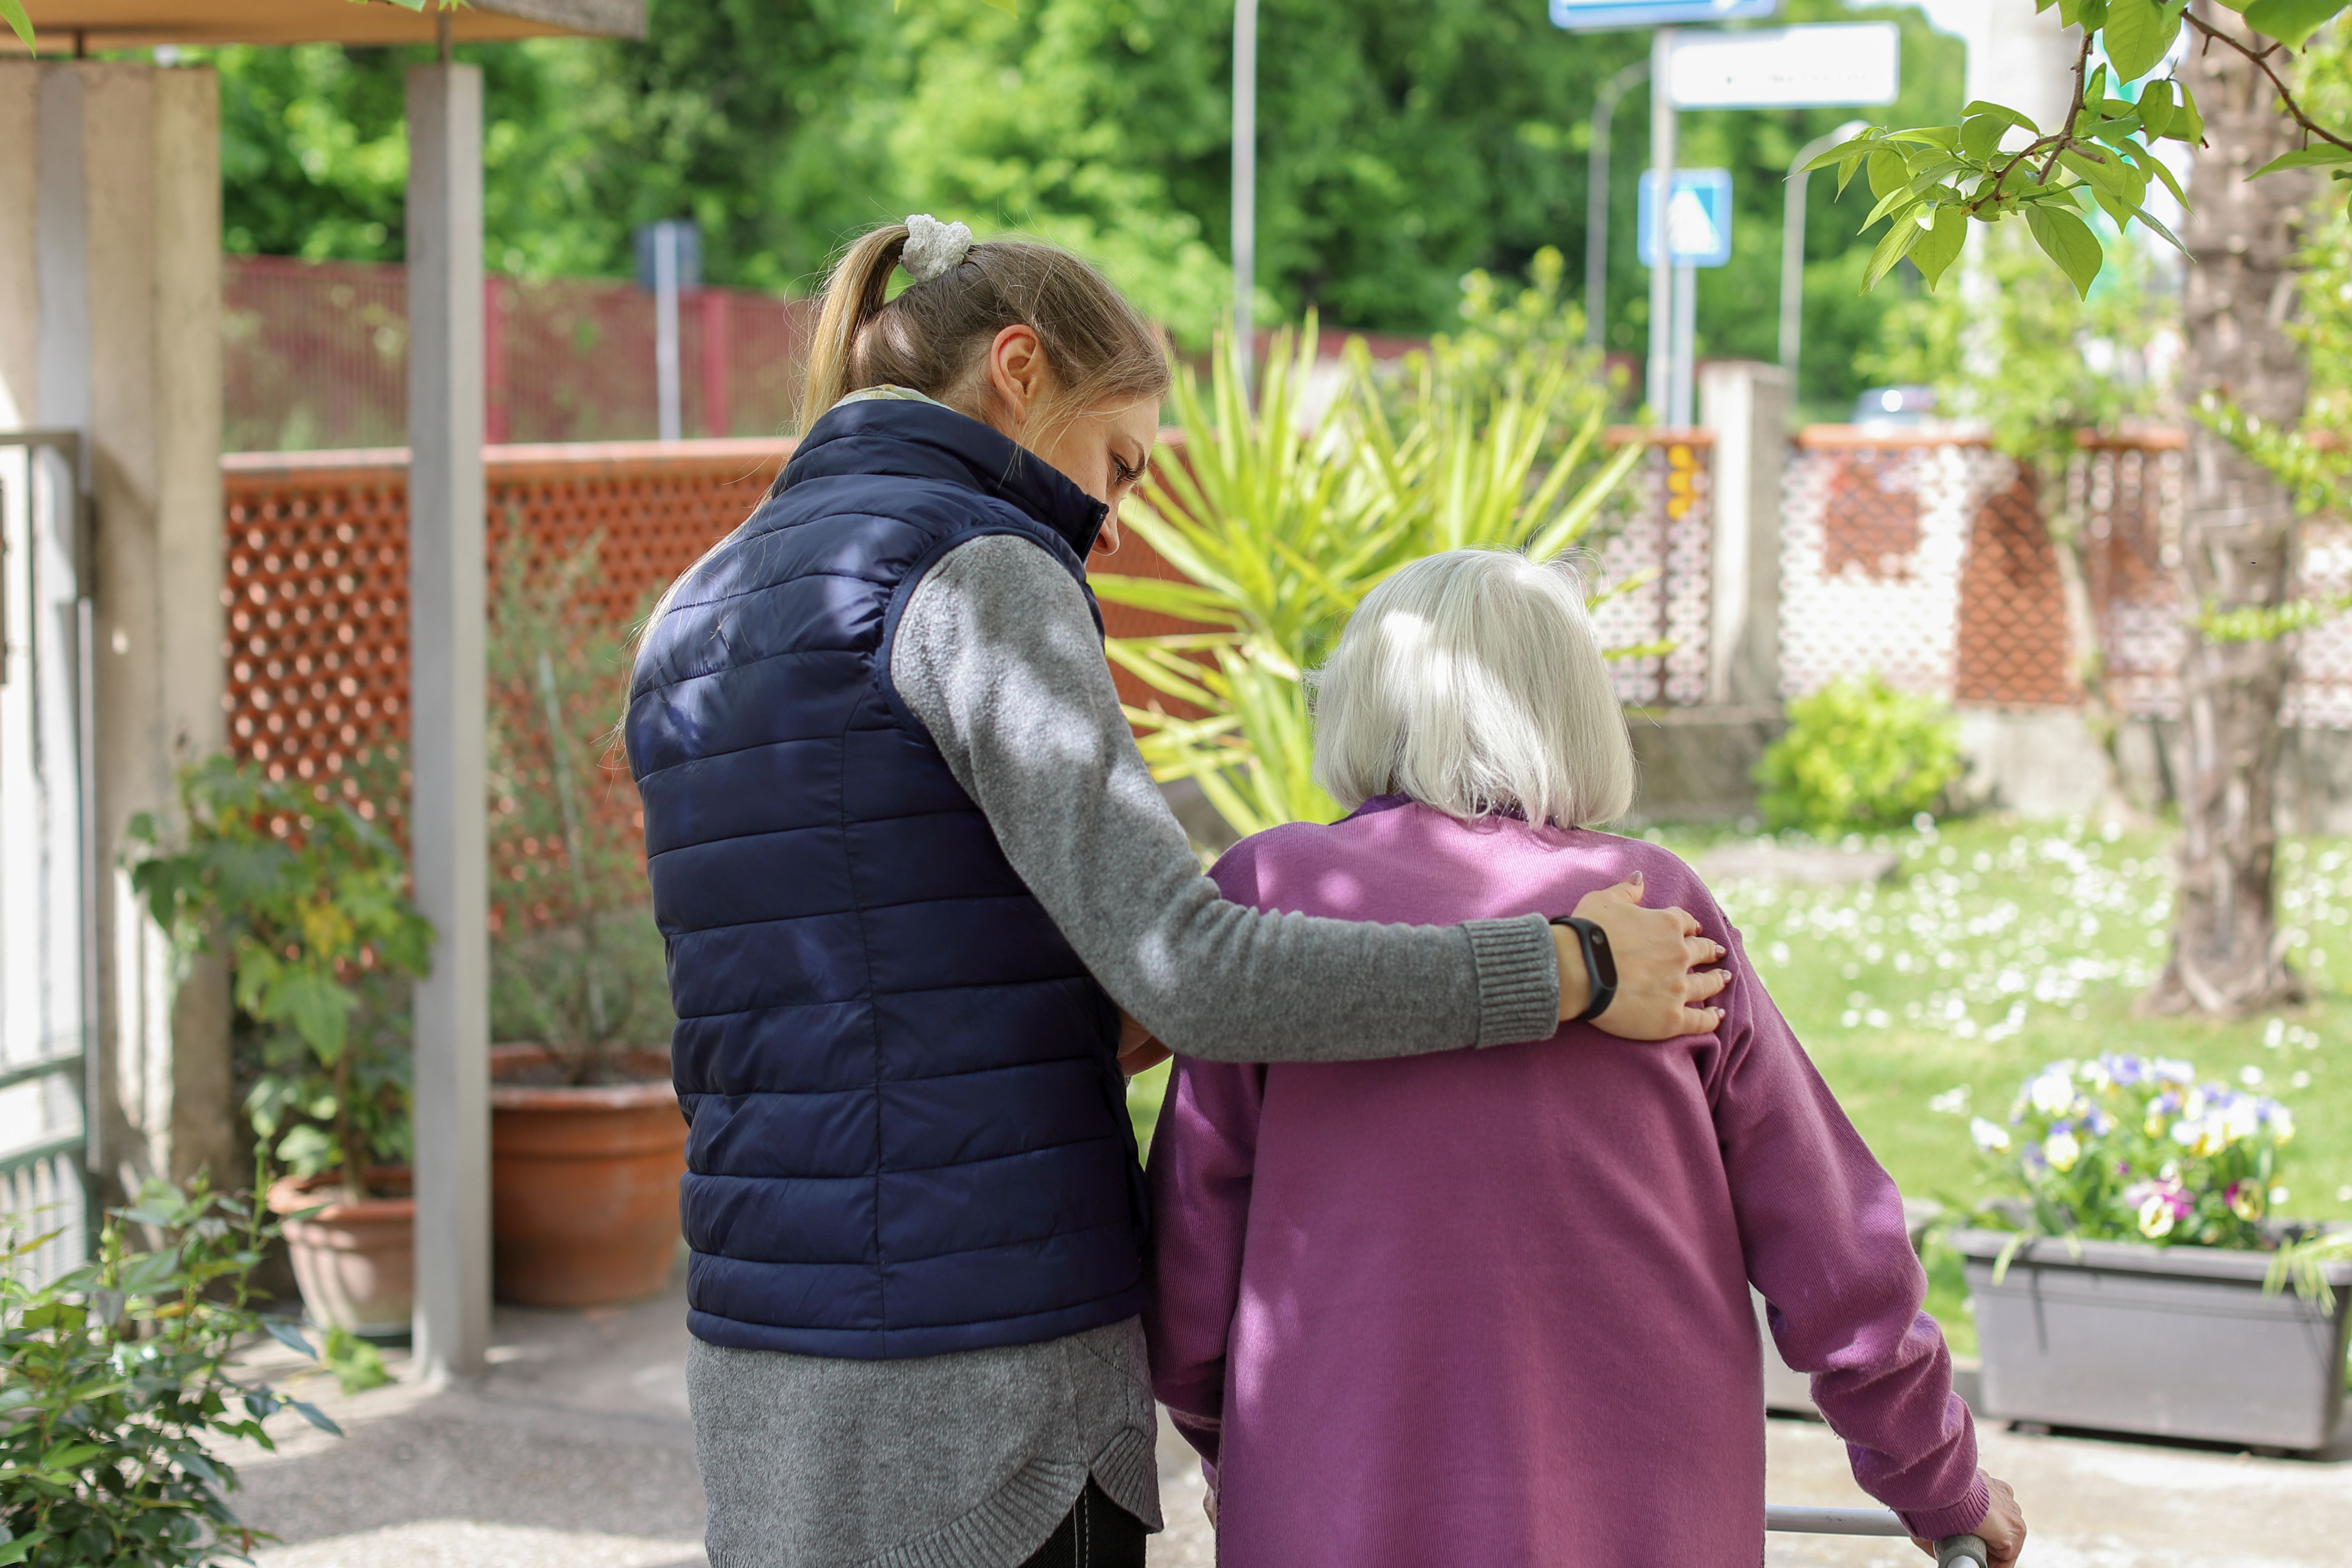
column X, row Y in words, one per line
column 1472, row 682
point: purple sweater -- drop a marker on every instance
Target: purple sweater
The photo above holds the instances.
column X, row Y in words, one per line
column 1491, row 1306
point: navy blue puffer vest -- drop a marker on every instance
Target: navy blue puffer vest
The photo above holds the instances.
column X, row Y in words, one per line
column 907, row 1129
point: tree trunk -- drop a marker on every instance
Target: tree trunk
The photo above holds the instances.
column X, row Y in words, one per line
column 2237, row 543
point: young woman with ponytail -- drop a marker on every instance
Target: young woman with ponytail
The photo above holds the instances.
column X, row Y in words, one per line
column 920, row 894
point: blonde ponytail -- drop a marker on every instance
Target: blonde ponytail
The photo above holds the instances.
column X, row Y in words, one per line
column 854, row 292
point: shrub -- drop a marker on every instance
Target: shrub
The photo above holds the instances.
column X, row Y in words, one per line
column 118, row 1391
column 576, row 962
column 2126, row 1148
column 1858, row 753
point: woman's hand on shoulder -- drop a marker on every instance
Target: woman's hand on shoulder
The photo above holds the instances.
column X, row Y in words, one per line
column 1661, row 992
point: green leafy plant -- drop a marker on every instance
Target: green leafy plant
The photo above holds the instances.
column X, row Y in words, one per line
column 120, row 1389
column 1281, row 524
column 570, row 968
column 305, row 900
column 1858, row 753
column 2126, row 1148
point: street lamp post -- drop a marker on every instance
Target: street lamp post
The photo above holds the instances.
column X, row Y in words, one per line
column 1596, row 198
column 1792, row 243
column 1662, row 269
column 1244, row 181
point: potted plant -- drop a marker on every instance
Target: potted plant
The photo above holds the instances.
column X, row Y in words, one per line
column 2138, row 1289
column 307, row 901
column 587, row 1145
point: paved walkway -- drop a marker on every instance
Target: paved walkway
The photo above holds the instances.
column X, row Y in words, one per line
column 576, row 1453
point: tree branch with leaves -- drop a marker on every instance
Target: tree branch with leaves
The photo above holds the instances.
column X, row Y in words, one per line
column 1998, row 163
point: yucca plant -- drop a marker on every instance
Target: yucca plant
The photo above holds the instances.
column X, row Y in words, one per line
column 1283, row 523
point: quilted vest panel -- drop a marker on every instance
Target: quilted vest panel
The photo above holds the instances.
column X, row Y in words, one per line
column 908, row 1130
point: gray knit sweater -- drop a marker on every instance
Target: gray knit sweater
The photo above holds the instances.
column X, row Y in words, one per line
column 969, row 1460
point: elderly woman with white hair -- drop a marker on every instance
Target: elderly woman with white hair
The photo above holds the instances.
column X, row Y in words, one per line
column 1491, row 1307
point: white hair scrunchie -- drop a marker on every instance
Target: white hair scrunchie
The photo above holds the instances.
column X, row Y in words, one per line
column 933, row 248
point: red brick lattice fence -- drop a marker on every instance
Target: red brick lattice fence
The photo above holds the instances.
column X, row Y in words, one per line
column 316, row 597
column 1917, row 556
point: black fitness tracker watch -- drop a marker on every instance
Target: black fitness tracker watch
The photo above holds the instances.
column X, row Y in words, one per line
column 1600, row 963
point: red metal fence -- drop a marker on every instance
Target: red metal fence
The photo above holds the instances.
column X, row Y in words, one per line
column 317, row 357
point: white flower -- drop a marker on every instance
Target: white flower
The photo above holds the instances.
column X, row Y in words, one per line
column 1953, row 1102
column 2054, row 1091
column 2062, row 1150
column 2251, row 1076
column 2156, row 1217
column 1989, row 1136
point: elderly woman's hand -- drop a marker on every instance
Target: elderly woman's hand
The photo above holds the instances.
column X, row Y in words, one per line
column 1661, row 991
column 2003, row 1529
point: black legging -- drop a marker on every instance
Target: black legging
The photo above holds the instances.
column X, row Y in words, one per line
column 1098, row 1533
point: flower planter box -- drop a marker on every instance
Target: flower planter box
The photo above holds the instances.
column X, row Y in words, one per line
column 2175, row 1341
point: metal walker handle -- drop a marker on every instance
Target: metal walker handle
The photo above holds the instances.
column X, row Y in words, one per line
column 1798, row 1519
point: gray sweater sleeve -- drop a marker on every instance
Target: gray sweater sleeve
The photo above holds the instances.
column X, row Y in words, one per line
column 996, row 654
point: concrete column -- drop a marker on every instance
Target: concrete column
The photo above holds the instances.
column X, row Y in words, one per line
column 1746, row 406
column 110, row 325
column 447, row 822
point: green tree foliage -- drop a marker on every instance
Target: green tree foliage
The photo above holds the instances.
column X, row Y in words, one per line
column 1401, row 146
column 1995, row 163
column 1858, row 755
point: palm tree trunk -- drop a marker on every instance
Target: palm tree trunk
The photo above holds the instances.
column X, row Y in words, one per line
column 2237, row 544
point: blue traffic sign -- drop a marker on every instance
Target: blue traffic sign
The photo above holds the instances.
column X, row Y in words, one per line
column 1594, row 15
column 1698, row 220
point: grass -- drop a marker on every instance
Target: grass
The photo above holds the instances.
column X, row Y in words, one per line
column 1999, row 946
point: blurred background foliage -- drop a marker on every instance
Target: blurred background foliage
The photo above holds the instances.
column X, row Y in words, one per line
column 1401, row 146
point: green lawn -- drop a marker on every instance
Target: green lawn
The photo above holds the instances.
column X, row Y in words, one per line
column 2001, row 945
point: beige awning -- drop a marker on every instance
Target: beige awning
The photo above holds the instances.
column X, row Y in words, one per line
column 96, row 25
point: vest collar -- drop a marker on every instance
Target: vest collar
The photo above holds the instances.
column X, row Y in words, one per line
column 923, row 439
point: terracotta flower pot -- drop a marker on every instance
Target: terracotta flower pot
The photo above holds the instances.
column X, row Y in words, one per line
column 356, row 1262
column 584, row 1183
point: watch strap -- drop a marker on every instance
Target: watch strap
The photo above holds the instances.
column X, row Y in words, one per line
column 1599, row 965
